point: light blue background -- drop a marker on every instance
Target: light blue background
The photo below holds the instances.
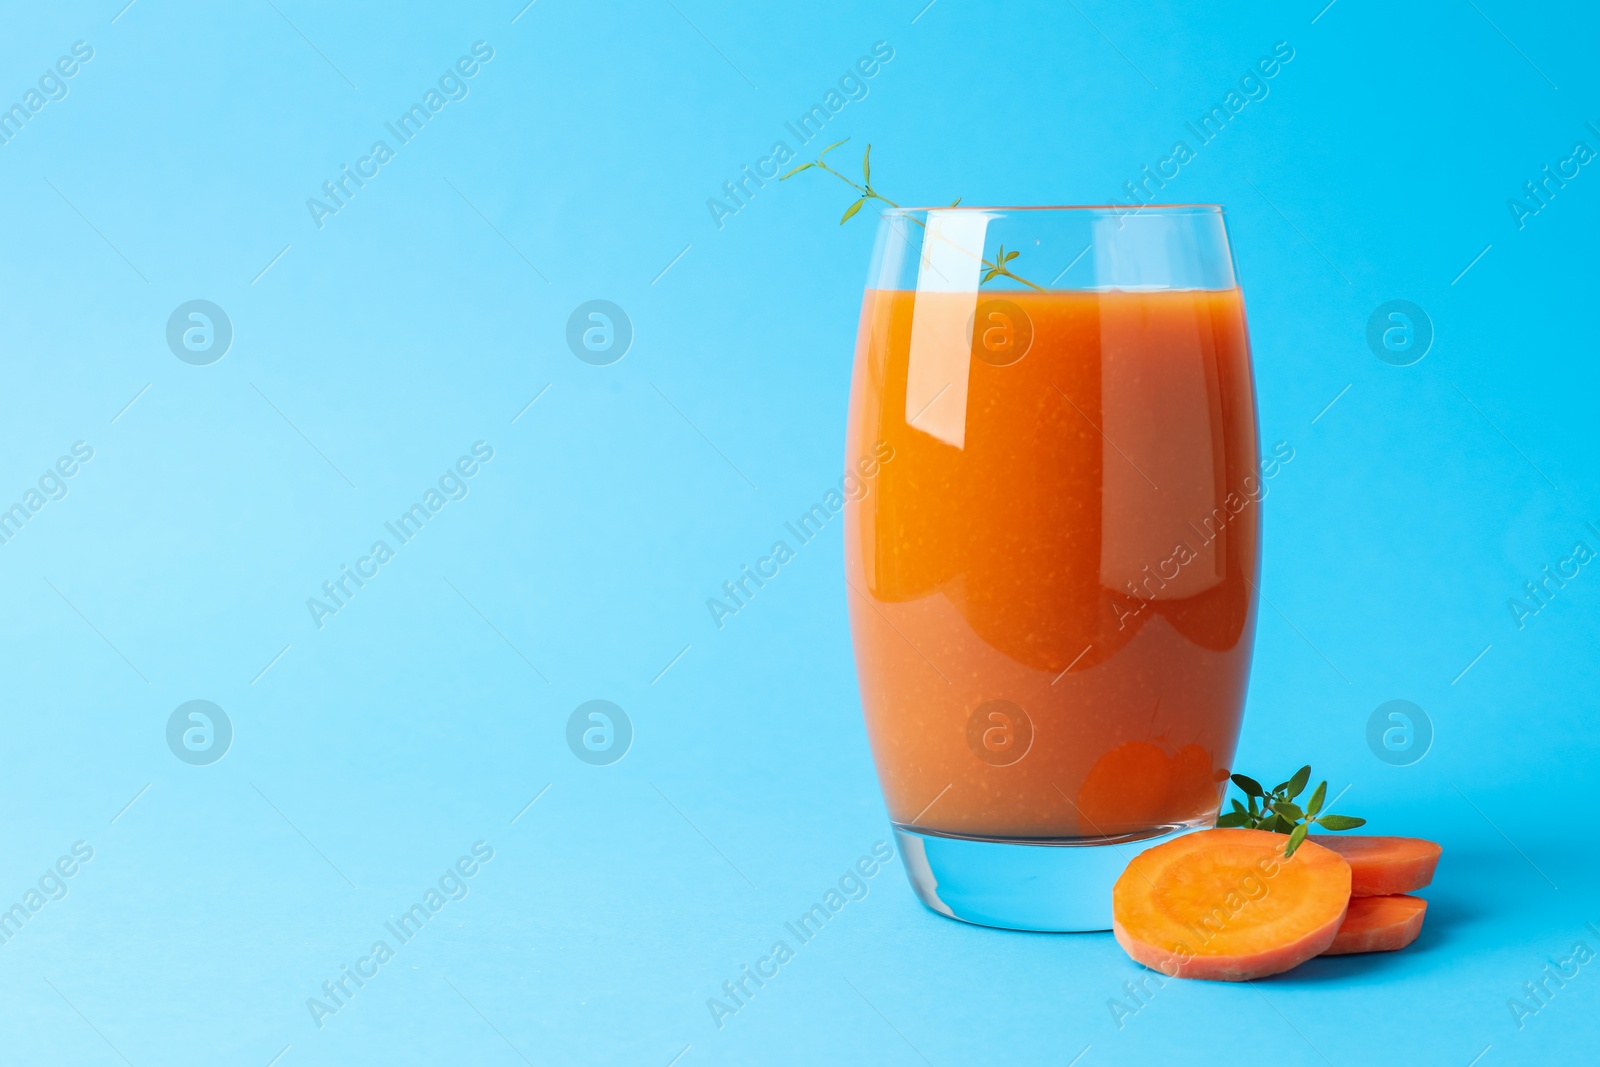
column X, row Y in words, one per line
column 415, row 322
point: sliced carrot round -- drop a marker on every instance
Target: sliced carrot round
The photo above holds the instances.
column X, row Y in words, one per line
column 1126, row 789
column 1226, row 905
column 1196, row 783
column 1381, row 866
column 1378, row 924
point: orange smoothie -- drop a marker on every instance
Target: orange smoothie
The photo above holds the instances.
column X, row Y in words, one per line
column 1050, row 585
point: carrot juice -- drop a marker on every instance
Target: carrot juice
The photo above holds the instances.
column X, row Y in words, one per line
column 1051, row 585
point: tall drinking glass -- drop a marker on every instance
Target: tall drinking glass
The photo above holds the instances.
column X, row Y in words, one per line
column 1053, row 552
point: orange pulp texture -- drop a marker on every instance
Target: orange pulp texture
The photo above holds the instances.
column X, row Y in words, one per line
column 1071, row 530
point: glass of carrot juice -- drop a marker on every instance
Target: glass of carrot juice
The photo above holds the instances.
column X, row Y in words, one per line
column 1052, row 573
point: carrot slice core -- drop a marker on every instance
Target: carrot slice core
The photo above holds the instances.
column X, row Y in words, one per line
column 1226, row 905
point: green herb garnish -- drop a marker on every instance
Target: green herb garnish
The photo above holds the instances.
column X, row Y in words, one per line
column 1278, row 813
column 997, row 269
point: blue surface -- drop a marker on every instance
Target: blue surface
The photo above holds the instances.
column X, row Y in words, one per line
column 368, row 354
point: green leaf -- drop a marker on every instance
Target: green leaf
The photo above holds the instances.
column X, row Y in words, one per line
column 956, row 201
column 830, row 148
column 866, row 166
column 1275, row 812
column 1296, row 839
column 1232, row 819
column 795, row 171
column 1010, row 256
column 851, row 210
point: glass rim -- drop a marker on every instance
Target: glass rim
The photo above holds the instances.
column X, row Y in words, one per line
column 1121, row 209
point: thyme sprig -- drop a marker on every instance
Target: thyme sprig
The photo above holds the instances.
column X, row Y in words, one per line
column 1278, row 813
column 999, row 268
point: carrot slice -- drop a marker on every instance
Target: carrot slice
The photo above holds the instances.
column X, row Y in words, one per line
column 1378, row 924
column 1137, row 785
column 1381, row 866
column 1196, row 785
column 1126, row 789
column 1226, row 905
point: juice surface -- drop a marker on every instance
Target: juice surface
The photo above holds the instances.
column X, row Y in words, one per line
column 1051, row 576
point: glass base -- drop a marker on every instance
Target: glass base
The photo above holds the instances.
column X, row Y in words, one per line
column 1055, row 885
